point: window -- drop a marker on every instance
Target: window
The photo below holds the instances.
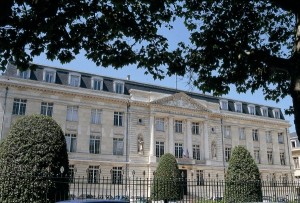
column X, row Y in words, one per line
column 196, row 152
column 293, row 143
column 49, row 75
column 242, row 134
column 97, row 83
column 47, row 109
column 23, row 74
column 270, row 157
column 94, row 144
column 71, row 141
column 268, row 137
column 276, row 113
column 195, row 128
column 19, row 107
column 178, row 150
column 251, row 109
column 93, row 174
column 119, row 87
column 224, row 105
column 72, row 173
column 160, row 148
column 178, row 126
column 118, row 145
column 159, row 124
column 74, row 79
column 280, row 138
column 200, row 177
column 118, row 118
column 238, row 107
column 96, row 116
column 72, row 113
column 227, row 153
column 255, row 134
column 282, row 158
column 264, row 111
column 296, row 162
column 257, row 156
column 227, row 132
column 117, row 175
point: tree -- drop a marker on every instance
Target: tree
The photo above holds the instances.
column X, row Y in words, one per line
column 252, row 44
column 31, row 156
column 242, row 181
column 167, row 184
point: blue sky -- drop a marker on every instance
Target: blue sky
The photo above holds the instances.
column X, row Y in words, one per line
column 179, row 33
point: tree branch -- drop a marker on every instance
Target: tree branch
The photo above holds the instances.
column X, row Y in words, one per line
column 287, row 5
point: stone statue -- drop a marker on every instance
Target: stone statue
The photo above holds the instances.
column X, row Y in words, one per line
column 213, row 150
column 140, row 143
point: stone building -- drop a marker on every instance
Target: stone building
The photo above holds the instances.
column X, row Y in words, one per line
column 117, row 128
column 295, row 148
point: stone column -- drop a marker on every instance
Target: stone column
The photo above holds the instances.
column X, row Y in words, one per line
column 189, row 141
column 152, row 140
column 171, row 135
column 205, row 141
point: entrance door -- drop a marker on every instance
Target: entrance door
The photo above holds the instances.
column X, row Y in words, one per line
column 183, row 175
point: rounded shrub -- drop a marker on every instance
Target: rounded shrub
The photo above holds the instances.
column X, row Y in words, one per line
column 34, row 161
column 167, row 184
column 242, row 181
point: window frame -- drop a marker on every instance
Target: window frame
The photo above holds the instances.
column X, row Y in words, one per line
column 160, row 123
column 293, row 144
column 178, row 150
column 47, row 108
column 227, row 153
column 195, row 128
column 98, row 80
column 117, row 142
column 224, row 104
column 95, row 144
column 270, row 157
column 282, row 158
column 255, row 135
column 227, row 131
column 250, row 108
column 256, row 153
column 20, row 74
column 19, row 107
column 117, row 89
column 269, row 137
column 242, row 133
column 118, row 118
column 93, row 174
column 178, row 126
column 264, row 111
column 49, row 70
column 159, row 148
column 117, row 175
column 236, row 104
column 276, row 113
column 196, row 152
column 280, row 138
column 71, row 141
column 296, row 162
column 72, row 113
column 72, row 74
column 96, row 116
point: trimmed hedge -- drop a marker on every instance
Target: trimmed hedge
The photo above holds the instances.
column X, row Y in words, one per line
column 242, row 181
column 167, row 184
column 34, row 150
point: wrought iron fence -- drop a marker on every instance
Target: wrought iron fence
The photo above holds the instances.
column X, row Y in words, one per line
column 138, row 190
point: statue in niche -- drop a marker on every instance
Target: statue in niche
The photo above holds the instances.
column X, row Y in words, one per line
column 213, row 150
column 140, row 144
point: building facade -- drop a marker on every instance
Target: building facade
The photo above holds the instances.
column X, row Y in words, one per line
column 119, row 128
column 295, row 148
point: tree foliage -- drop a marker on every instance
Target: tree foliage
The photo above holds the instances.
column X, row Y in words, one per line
column 252, row 44
column 242, row 181
column 34, row 150
column 167, row 184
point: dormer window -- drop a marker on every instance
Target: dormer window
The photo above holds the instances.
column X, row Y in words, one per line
column 276, row 113
column 264, row 111
column 224, row 104
column 238, row 107
column 49, row 75
column 74, row 79
column 24, row 74
column 251, row 109
column 119, row 87
column 97, row 83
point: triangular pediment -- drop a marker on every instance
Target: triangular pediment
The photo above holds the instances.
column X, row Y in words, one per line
column 180, row 100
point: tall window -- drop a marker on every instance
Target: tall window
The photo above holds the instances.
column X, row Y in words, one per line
column 160, row 148
column 119, row 87
column 270, row 157
column 46, row 108
column 72, row 173
column 224, row 104
column 72, row 113
column 117, row 175
column 242, row 134
column 227, row 132
column 178, row 126
column 282, row 158
column 71, row 141
column 227, row 153
column 74, row 80
column 238, row 107
column 178, row 150
column 118, row 146
column 268, row 137
column 255, row 134
column 200, row 177
column 118, row 119
column 19, row 106
column 196, row 152
column 276, row 113
column 293, row 143
column 97, row 83
column 94, row 144
column 257, row 156
column 93, row 174
column 195, row 128
column 159, row 124
column 96, row 116
column 280, row 138
column 296, row 162
column 264, row 111
column 251, row 109
column 49, row 76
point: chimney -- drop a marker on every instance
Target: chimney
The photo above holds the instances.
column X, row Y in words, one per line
column 128, row 77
